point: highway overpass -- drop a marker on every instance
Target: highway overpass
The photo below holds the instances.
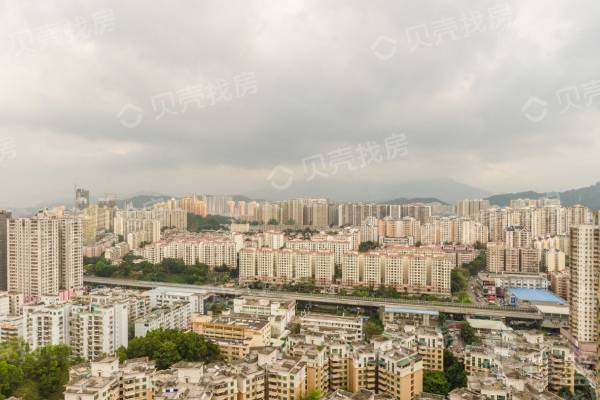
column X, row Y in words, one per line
column 522, row 313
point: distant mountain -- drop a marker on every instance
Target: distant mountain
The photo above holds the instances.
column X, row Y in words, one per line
column 408, row 200
column 587, row 196
column 143, row 200
column 503, row 200
column 350, row 189
column 240, row 197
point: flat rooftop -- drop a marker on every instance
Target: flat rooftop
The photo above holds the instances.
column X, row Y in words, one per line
column 175, row 291
column 242, row 320
column 408, row 310
column 559, row 310
column 488, row 324
column 536, row 295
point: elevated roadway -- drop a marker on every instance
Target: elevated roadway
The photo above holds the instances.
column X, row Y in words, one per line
column 522, row 313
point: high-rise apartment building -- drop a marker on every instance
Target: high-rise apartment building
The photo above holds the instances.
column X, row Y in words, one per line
column 501, row 258
column 96, row 329
column 45, row 254
column 517, row 236
column 402, row 269
column 217, row 204
column 82, row 199
column 45, row 324
column 4, row 217
column 585, row 289
column 369, row 230
column 70, row 248
column 471, row 207
column 33, row 256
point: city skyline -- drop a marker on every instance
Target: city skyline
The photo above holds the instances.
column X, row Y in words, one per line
column 299, row 200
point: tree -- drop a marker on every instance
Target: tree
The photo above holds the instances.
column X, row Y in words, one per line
column 11, row 377
column 313, row 394
column 463, row 297
column 295, row 328
column 30, row 391
column 435, row 382
column 565, row 393
column 168, row 346
column 366, row 246
column 49, row 367
column 454, row 370
column 199, row 223
column 194, row 347
column 458, row 280
column 373, row 327
column 468, row 333
column 476, row 266
column 34, row 375
column 121, row 354
column 217, row 307
column 166, row 355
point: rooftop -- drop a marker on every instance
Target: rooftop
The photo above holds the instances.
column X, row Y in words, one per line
column 536, row 295
column 546, row 309
column 408, row 310
column 488, row 324
column 243, row 320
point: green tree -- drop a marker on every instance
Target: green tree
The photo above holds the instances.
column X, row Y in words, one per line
column 168, row 346
column 372, row 327
column 166, row 355
column 194, row 347
column 313, row 394
column 122, row 354
column 199, row 223
column 11, row 377
column 217, row 307
column 49, row 367
column 458, row 280
column 476, row 266
column 366, row 246
column 30, row 391
column 463, row 297
column 435, row 382
column 34, row 375
column 454, row 370
column 565, row 393
column 468, row 333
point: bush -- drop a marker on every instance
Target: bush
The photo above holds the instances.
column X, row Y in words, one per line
column 435, row 382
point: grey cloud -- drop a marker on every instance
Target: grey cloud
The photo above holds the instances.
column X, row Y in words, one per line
column 320, row 86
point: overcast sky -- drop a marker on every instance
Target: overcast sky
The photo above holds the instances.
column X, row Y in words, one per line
column 231, row 97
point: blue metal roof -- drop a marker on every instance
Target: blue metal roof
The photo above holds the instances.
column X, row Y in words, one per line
column 536, row 295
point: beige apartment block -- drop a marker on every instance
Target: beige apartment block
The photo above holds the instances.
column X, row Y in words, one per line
column 235, row 334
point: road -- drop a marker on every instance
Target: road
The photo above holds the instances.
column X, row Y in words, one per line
column 525, row 313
